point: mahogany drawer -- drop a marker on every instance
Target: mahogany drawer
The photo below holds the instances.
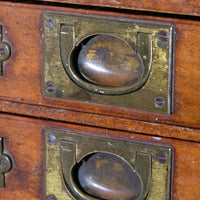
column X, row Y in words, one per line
column 20, row 85
column 24, row 142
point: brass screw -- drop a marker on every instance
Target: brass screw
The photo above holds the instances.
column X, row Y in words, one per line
column 4, row 51
column 159, row 102
column 50, row 87
column 161, row 158
column 4, row 163
column 51, row 139
column 51, row 197
column 163, row 36
column 50, row 23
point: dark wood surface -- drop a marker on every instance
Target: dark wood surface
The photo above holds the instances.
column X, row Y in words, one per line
column 23, row 140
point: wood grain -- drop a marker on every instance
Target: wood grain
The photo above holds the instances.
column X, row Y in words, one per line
column 22, row 73
column 23, row 139
column 20, row 93
column 183, row 7
column 109, row 122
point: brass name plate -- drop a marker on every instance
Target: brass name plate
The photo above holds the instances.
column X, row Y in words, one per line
column 91, row 168
column 125, row 63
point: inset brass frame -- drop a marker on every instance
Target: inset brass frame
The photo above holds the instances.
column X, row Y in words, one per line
column 62, row 33
column 153, row 163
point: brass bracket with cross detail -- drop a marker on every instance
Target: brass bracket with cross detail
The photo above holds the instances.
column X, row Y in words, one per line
column 5, row 51
column 5, row 164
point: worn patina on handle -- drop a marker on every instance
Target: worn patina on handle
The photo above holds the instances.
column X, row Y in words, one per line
column 106, row 64
column 101, row 174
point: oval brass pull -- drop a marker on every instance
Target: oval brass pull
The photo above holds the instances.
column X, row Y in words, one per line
column 103, row 175
column 107, row 176
column 110, row 61
column 106, row 64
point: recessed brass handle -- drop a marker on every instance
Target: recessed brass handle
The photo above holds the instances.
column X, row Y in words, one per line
column 105, row 63
column 104, row 175
column 87, row 167
column 112, row 61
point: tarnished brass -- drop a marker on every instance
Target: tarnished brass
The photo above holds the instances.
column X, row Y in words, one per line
column 108, row 61
column 5, row 51
column 75, row 158
column 5, row 164
column 107, row 176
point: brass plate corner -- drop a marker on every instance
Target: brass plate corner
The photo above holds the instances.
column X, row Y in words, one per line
column 63, row 33
column 64, row 149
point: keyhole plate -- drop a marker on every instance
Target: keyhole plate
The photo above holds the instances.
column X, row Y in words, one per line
column 62, row 43
column 149, row 166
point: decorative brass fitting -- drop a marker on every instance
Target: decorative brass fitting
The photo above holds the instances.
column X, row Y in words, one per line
column 125, row 63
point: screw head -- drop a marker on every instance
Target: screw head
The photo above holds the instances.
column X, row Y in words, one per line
column 161, row 158
column 50, row 23
column 50, row 87
column 4, row 51
column 159, row 102
column 51, row 139
column 163, row 36
column 5, row 164
column 51, row 197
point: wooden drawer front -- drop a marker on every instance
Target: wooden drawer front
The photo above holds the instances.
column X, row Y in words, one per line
column 21, row 81
column 23, row 139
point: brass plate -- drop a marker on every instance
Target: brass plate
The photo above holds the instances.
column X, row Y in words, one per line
column 65, row 147
column 155, row 91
